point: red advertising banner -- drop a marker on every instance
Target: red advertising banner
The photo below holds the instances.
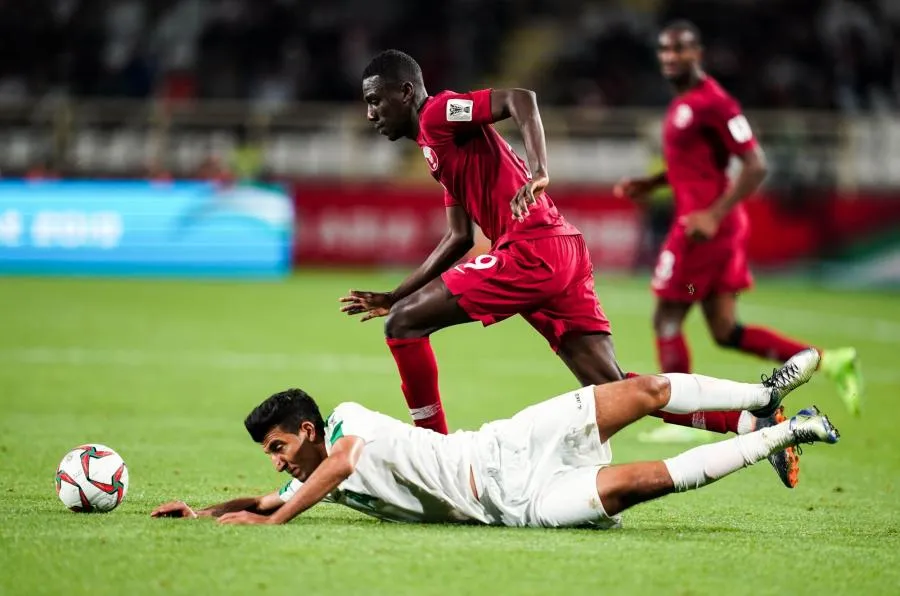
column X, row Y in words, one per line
column 390, row 225
column 365, row 225
column 786, row 229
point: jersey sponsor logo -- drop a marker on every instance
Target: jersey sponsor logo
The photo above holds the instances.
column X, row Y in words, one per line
column 683, row 116
column 459, row 110
column 431, row 158
column 740, row 129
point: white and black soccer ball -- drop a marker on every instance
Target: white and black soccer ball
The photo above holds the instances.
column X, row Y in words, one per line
column 92, row 478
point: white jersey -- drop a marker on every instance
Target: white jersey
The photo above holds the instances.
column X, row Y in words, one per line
column 404, row 473
column 538, row 468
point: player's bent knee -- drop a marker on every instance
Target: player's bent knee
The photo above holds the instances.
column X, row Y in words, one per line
column 665, row 326
column 653, row 390
column 727, row 335
column 399, row 323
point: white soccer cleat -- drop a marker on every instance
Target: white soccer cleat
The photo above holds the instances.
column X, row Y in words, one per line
column 813, row 429
column 795, row 372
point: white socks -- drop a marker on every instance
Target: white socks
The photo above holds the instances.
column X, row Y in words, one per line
column 707, row 463
column 698, row 393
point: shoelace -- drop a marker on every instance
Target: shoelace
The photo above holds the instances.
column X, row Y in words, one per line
column 803, row 435
column 786, row 375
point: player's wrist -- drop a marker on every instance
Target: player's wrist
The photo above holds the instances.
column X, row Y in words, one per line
column 718, row 212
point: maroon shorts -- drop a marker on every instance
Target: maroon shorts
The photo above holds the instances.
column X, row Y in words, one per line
column 690, row 271
column 549, row 281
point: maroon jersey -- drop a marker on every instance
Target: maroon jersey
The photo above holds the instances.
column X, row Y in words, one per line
column 703, row 128
column 479, row 170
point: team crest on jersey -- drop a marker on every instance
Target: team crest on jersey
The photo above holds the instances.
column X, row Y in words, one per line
column 459, row 110
column 431, row 158
column 683, row 116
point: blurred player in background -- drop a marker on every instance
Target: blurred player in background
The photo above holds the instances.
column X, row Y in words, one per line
column 704, row 258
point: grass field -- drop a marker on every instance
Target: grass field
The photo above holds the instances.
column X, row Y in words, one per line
column 164, row 372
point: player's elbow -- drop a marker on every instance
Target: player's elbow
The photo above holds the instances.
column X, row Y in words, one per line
column 465, row 243
column 760, row 170
column 757, row 166
column 523, row 96
column 344, row 465
column 462, row 241
column 344, row 468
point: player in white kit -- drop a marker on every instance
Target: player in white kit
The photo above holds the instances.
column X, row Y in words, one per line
column 550, row 465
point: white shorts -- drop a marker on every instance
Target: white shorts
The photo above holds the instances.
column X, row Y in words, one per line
column 539, row 468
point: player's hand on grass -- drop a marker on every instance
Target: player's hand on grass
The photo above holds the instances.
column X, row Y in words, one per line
column 244, row 518
column 174, row 509
column 527, row 196
column 373, row 304
column 700, row 225
column 634, row 188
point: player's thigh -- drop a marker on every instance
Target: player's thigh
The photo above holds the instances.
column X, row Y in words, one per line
column 573, row 310
column 686, row 271
column 570, row 499
column 425, row 311
column 500, row 284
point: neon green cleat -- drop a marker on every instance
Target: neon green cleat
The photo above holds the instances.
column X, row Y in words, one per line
column 670, row 433
column 842, row 367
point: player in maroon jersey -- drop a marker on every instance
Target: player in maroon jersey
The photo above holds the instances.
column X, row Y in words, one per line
column 704, row 258
column 538, row 265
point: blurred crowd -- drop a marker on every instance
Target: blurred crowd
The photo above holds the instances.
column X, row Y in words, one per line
column 828, row 54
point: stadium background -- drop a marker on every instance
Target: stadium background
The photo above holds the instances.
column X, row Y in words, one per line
column 226, row 138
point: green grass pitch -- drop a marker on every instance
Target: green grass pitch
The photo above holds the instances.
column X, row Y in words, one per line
column 165, row 371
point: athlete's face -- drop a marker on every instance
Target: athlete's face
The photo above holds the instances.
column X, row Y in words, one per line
column 679, row 53
column 294, row 453
column 390, row 106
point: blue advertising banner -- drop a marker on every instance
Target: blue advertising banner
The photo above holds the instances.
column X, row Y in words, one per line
column 136, row 228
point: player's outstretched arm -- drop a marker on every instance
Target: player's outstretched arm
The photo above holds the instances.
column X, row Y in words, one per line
column 336, row 468
column 459, row 238
column 521, row 106
column 457, row 241
column 639, row 188
column 263, row 505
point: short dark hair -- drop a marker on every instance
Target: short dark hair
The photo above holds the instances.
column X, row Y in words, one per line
column 685, row 25
column 287, row 410
column 395, row 67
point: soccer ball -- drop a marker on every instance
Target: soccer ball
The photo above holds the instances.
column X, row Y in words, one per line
column 91, row 478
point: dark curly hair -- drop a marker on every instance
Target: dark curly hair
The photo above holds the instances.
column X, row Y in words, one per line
column 287, row 410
